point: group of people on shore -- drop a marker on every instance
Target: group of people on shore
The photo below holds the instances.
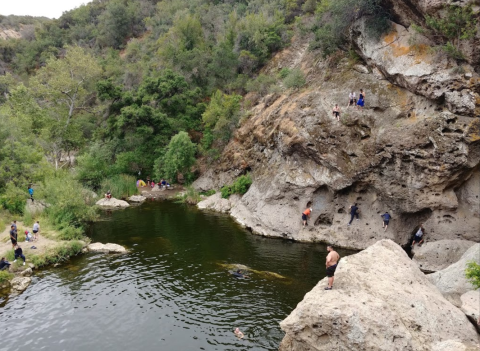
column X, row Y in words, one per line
column 18, row 252
column 333, row 257
column 151, row 183
column 352, row 101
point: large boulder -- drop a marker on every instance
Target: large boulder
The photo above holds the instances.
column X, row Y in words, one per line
column 471, row 304
column 380, row 301
column 112, row 203
column 107, row 248
column 437, row 255
column 451, row 281
column 215, row 202
column 137, row 198
column 19, row 284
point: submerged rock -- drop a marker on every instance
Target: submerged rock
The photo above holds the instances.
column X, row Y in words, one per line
column 137, row 198
column 20, row 283
column 107, row 248
column 437, row 255
column 451, row 281
column 27, row 272
column 112, row 203
column 380, row 301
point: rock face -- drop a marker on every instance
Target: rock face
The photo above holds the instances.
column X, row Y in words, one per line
column 380, row 301
column 137, row 198
column 107, row 248
column 19, row 284
column 414, row 150
column 451, row 281
column 27, row 272
column 471, row 305
column 112, row 203
column 437, row 255
column 216, row 203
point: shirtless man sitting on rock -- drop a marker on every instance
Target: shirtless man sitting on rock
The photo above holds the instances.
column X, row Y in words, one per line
column 332, row 261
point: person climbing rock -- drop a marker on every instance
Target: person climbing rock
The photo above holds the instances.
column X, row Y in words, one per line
column 361, row 99
column 36, row 229
column 13, row 235
column 386, row 219
column 332, row 261
column 352, row 99
column 353, row 212
column 306, row 215
column 418, row 238
column 30, row 191
column 336, row 112
column 19, row 253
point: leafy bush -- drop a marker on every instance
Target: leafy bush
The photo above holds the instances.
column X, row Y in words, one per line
column 239, row 186
column 261, row 84
column 5, row 276
column 190, row 196
column 284, row 72
column 208, row 193
column 473, row 273
column 295, row 79
column 179, row 158
column 121, row 186
column 57, row 254
column 13, row 199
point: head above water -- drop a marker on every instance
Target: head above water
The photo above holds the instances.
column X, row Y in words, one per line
column 329, row 248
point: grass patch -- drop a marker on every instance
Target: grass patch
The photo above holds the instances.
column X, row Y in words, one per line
column 190, row 196
column 121, row 186
column 57, row 254
column 208, row 193
column 239, row 186
column 5, row 276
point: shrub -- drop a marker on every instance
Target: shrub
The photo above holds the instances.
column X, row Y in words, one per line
column 261, row 84
column 13, row 199
column 284, row 72
column 239, row 186
column 5, row 276
column 190, row 196
column 57, row 254
column 121, row 186
column 208, row 193
column 179, row 158
column 295, row 79
column 472, row 273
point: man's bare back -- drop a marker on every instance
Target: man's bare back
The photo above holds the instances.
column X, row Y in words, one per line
column 332, row 258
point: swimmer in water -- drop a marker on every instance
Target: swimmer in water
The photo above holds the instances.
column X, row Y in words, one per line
column 238, row 333
column 239, row 274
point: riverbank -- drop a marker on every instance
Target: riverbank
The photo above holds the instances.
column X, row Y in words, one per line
column 46, row 250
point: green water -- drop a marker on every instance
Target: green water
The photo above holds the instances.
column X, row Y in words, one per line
column 173, row 291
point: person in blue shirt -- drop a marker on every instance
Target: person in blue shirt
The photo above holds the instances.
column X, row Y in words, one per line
column 353, row 212
column 386, row 219
column 30, row 191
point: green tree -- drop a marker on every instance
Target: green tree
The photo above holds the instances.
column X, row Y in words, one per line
column 473, row 273
column 65, row 88
column 221, row 115
column 179, row 158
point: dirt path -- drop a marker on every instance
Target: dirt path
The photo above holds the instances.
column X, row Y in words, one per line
column 42, row 244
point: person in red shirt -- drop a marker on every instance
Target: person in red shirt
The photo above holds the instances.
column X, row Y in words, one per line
column 306, row 215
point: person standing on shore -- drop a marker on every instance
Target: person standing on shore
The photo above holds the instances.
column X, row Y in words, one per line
column 36, row 229
column 13, row 236
column 19, row 253
column 306, row 215
column 30, row 191
column 332, row 260
column 386, row 219
column 353, row 212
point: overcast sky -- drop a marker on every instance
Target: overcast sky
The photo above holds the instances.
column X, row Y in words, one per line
column 45, row 8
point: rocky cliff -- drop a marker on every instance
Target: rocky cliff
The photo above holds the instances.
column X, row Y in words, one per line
column 413, row 151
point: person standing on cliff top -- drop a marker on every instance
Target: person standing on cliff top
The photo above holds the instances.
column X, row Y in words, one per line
column 353, row 212
column 332, row 260
column 306, row 215
column 386, row 219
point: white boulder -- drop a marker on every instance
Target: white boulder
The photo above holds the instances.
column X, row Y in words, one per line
column 217, row 203
column 471, row 304
column 434, row 256
column 107, row 248
column 112, row 203
column 380, row 301
column 137, row 198
column 20, row 283
column 451, row 281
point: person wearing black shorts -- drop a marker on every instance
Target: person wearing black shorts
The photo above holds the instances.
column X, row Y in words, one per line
column 336, row 112
column 386, row 219
column 13, row 236
column 332, row 261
